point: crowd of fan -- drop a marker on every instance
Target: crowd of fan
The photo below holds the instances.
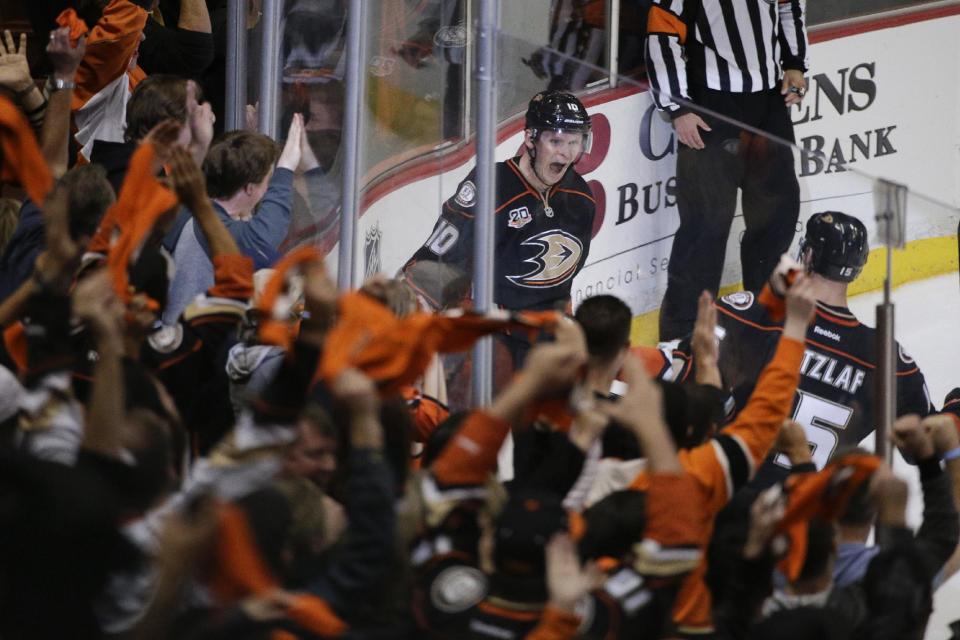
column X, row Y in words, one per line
column 191, row 450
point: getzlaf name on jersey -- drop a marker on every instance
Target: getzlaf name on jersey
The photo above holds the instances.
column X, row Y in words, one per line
column 834, row 400
column 541, row 244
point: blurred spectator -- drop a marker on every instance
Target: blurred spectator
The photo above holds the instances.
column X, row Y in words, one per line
column 108, row 73
column 88, row 193
column 8, row 220
column 88, row 196
column 15, row 79
column 438, row 37
column 576, row 54
column 178, row 39
column 158, row 98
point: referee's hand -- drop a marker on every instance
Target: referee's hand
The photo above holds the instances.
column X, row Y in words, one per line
column 793, row 87
column 688, row 130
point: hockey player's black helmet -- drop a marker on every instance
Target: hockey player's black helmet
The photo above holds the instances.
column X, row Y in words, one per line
column 838, row 245
column 557, row 111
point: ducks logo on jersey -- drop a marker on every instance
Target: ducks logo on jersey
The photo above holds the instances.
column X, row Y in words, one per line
column 557, row 261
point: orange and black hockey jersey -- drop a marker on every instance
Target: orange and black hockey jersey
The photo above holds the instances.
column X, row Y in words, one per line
column 541, row 242
column 453, row 598
column 729, row 460
column 834, row 401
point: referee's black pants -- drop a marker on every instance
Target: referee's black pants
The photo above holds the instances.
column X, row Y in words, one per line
column 707, row 183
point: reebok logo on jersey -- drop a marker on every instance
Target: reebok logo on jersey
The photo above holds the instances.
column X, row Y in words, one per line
column 557, row 261
column 518, row 218
column 829, row 334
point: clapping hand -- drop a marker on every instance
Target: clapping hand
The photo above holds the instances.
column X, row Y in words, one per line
column 292, row 149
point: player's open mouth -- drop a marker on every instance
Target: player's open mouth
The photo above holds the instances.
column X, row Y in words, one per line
column 557, row 167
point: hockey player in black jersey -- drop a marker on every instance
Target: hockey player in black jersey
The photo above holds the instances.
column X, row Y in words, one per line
column 834, row 400
column 544, row 216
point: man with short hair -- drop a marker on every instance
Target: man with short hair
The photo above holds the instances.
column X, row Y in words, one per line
column 887, row 592
column 313, row 455
column 88, row 197
column 157, row 98
column 925, row 442
column 605, row 321
column 250, row 197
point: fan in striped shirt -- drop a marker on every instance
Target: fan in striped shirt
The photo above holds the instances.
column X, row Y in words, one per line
column 715, row 65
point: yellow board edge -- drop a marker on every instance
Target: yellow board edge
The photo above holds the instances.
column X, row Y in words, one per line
column 920, row 259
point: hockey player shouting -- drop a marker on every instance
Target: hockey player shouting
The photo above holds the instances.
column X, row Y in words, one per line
column 544, row 215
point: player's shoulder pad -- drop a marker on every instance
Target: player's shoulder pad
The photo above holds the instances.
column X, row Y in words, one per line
column 458, row 588
column 573, row 181
column 207, row 306
column 466, row 195
column 744, row 306
column 738, row 300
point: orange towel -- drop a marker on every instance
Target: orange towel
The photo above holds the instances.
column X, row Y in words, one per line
column 15, row 342
column 273, row 328
column 78, row 28
column 20, row 158
column 239, row 571
column 141, row 203
column 822, row 495
column 396, row 351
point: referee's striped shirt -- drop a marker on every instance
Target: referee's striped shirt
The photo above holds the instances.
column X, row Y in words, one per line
column 741, row 46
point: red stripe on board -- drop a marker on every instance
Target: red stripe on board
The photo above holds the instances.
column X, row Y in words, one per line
column 883, row 22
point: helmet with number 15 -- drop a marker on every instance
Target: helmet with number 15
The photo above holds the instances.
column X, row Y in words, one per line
column 835, row 246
